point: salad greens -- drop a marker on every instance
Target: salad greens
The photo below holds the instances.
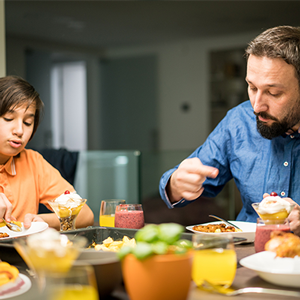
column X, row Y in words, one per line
column 157, row 239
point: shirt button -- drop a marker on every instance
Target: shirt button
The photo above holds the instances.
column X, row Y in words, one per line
column 291, row 136
column 285, row 163
column 282, row 193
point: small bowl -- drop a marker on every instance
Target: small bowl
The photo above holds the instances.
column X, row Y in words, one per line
column 107, row 268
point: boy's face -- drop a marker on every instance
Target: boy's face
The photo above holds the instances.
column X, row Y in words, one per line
column 16, row 129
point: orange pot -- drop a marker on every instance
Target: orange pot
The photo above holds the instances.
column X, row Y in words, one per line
column 159, row 277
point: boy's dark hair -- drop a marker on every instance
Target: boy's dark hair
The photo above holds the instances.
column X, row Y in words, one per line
column 14, row 92
column 278, row 42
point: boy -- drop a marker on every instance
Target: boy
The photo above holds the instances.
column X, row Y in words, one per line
column 26, row 178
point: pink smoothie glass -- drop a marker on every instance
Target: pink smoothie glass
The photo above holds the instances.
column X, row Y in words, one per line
column 129, row 216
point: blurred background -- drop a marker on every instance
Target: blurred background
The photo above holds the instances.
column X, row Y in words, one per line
column 151, row 78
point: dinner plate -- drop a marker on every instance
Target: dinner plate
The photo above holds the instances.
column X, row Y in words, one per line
column 23, row 289
column 283, row 271
column 248, row 230
column 34, row 228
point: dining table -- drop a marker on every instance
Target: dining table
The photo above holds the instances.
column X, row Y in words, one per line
column 244, row 278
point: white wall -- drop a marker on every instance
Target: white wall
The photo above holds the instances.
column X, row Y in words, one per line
column 2, row 40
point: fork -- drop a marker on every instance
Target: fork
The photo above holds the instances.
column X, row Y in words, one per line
column 208, row 286
column 12, row 226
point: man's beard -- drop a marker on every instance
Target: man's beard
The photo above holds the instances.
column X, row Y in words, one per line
column 277, row 128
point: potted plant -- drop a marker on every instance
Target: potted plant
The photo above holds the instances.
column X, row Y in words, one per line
column 159, row 266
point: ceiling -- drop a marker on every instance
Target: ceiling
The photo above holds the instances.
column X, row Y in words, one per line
column 103, row 24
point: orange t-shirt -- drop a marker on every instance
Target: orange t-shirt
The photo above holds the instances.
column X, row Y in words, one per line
column 27, row 180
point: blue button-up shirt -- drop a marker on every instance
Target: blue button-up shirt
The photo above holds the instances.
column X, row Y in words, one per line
column 256, row 164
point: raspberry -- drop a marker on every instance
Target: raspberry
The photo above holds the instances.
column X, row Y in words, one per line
column 273, row 194
column 67, row 192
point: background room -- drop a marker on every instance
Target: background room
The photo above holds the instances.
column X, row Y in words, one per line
column 134, row 87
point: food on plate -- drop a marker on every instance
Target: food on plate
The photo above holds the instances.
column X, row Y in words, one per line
column 3, row 235
column 273, row 208
column 110, row 245
column 67, row 207
column 284, row 244
column 2, row 224
column 10, row 281
column 216, row 228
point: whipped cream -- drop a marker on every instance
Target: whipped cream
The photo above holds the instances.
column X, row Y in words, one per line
column 48, row 240
column 70, row 200
column 273, row 204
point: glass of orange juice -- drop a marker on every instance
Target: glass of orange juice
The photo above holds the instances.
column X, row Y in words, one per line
column 107, row 212
column 214, row 259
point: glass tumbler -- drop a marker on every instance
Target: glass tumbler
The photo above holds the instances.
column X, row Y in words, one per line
column 107, row 212
column 214, row 259
column 129, row 216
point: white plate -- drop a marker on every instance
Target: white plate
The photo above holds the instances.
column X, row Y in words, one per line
column 34, row 228
column 24, row 288
column 248, row 230
column 277, row 270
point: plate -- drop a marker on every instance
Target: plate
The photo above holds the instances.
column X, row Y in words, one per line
column 248, row 230
column 34, row 228
column 24, row 288
column 277, row 270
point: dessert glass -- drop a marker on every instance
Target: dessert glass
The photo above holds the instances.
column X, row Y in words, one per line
column 48, row 258
column 277, row 217
column 67, row 213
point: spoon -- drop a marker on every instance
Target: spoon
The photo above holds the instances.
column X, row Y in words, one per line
column 12, row 226
column 227, row 222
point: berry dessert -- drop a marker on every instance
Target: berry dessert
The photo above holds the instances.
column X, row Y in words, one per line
column 273, row 209
column 67, row 207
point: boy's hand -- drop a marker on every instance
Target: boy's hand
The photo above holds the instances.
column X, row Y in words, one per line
column 31, row 218
column 5, row 208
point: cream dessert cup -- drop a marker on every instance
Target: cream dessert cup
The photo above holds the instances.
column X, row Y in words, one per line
column 273, row 209
column 67, row 207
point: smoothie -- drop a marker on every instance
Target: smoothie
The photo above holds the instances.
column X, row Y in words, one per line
column 263, row 233
column 129, row 216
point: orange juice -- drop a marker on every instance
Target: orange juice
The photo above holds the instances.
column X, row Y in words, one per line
column 217, row 266
column 107, row 220
column 76, row 292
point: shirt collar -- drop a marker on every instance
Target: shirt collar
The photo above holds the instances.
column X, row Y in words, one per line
column 10, row 167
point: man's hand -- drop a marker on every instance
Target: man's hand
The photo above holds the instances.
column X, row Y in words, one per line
column 186, row 181
column 5, row 208
column 31, row 218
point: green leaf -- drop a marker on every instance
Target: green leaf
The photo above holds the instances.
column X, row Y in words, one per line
column 142, row 250
column 184, row 244
column 160, row 247
column 170, row 232
column 148, row 234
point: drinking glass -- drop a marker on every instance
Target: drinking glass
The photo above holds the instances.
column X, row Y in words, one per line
column 79, row 283
column 45, row 258
column 129, row 216
column 214, row 259
column 67, row 213
column 263, row 232
column 107, row 212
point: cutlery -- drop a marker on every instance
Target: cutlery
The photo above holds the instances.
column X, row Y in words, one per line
column 208, row 286
column 227, row 222
column 12, row 226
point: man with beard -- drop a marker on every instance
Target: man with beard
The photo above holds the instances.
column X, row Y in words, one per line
column 258, row 142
